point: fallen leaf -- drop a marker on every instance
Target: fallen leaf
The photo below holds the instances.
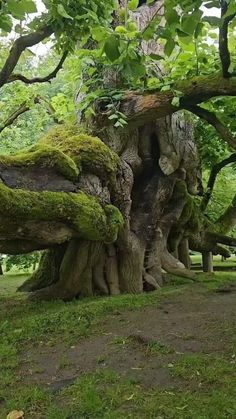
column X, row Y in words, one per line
column 130, row 397
column 16, row 414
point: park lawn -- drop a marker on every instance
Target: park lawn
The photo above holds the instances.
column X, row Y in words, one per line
column 231, row 262
column 199, row 383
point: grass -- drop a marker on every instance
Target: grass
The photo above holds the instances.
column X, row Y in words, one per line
column 231, row 262
column 208, row 389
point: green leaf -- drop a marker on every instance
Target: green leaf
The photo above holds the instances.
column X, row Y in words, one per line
column 113, row 116
column 182, row 34
column 172, row 16
column 175, row 101
column 133, row 4
column 198, row 30
column 231, row 9
column 213, row 20
column 16, row 9
column 189, row 22
column 169, row 46
column 29, row 6
column 165, row 88
column 111, row 48
column 156, row 57
column 5, row 23
column 62, row 12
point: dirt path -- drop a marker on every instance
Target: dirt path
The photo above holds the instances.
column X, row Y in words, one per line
column 144, row 344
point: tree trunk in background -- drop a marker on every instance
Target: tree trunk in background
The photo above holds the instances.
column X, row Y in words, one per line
column 1, row 270
column 207, row 262
column 183, row 253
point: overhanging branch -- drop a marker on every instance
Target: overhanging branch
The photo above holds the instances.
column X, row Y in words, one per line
column 211, row 182
column 212, row 119
column 45, row 79
column 140, row 108
column 220, row 238
column 19, row 46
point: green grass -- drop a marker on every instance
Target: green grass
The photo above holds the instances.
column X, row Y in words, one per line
column 231, row 262
column 208, row 389
column 107, row 395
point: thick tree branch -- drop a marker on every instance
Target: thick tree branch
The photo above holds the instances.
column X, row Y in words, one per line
column 45, row 79
column 212, row 119
column 220, row 238
column 19, row 46
column 223, row 39
column 227, row 221
column 140, row 108
column 212, row 178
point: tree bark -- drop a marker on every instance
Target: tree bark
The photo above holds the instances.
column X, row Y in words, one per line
column 183, row 253
column 207, row 262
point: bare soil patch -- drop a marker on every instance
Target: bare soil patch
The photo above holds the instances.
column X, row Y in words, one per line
column 141, row 344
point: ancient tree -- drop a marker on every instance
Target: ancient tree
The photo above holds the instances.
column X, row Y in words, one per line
column 112, row 199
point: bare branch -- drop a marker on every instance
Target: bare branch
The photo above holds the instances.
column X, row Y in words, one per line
column 13, row 77
column 223, row 39
column 212, row 119
column 18, row 47
column 212, row 178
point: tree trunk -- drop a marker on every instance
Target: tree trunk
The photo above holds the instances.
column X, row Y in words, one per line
column 183, row 253
column 1, row 270
column 207, row 262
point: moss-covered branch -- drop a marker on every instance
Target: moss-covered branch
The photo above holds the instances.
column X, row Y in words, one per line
column 140, row 108
column 34, row 206
column 82, row 214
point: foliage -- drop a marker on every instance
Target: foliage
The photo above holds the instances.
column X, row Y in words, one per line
column 22, row 262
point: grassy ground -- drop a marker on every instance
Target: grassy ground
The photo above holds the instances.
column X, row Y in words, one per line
column 197, row 357
column 231, row 262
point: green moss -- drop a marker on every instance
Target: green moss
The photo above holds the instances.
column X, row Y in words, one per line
column 44, row 156
column 69, row 151
column 82, row 212
column 88, row 152
column 115, row 221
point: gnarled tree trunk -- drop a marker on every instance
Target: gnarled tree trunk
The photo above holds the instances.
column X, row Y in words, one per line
column 114, row 212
